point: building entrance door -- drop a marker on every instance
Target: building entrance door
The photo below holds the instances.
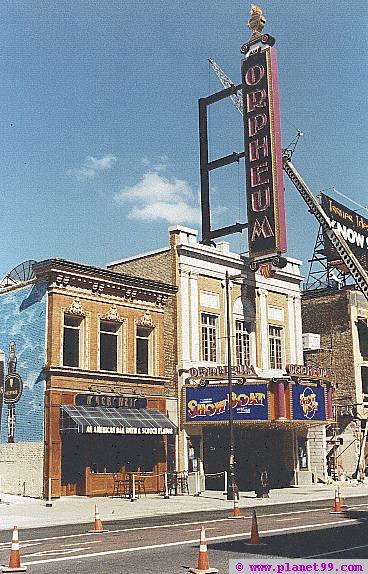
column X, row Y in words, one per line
column 255, row 450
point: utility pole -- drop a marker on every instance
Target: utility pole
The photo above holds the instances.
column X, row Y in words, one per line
column 231, row 487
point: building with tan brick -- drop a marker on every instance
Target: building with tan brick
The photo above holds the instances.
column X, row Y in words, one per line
column 88, row 390
column 279, row 409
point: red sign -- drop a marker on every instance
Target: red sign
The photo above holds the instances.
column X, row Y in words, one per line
column 221, row 372
column 264, row 174
column 309, row 372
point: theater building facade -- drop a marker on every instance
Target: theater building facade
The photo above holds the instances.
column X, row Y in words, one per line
column 87, row 382
column 280, row 408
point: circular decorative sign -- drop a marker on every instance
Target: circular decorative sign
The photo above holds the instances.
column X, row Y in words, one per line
column 13, row 388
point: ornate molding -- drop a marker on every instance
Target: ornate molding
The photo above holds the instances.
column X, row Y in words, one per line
column 113, row 315
column 161, row 299
column 62, row 280
column 76, row 308
column 146, row 320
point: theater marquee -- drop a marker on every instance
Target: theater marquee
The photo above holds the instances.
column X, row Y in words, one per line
column 264, row 173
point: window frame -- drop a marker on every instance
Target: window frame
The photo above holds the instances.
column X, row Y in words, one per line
column 78, row 328
column 150, row 348
column 118, row 335
column 210, row 332
column 239, row 334
column 273, row 340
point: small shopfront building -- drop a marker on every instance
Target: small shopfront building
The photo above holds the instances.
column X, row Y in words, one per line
column 273, row 427
column 102, row 438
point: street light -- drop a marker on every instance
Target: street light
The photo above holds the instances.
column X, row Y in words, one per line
column 231, row 485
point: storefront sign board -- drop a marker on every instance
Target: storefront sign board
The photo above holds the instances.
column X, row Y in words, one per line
column 308, row 403
column 210, row 404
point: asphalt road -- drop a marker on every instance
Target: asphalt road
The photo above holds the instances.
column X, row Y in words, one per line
column 169, row 545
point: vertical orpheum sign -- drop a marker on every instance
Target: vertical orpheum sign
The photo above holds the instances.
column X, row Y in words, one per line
column 263, row 157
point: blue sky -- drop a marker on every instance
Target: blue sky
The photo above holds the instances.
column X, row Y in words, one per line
column 99, row 119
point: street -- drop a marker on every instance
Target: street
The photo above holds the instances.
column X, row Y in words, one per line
column 169, row 545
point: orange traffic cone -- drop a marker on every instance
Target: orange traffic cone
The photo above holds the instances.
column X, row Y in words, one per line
column 14, row 560
column 98, row 524
column 254, row 536
column 342, row 500
column 337, row 502
column 203, row 565
column 236, row 510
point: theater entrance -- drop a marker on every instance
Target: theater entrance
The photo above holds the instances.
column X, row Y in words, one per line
column 255, row 450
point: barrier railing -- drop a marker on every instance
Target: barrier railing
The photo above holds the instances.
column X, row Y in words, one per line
column 175, row 480
column 215, row 474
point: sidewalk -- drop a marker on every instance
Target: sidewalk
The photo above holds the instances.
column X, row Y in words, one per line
column 32, row 513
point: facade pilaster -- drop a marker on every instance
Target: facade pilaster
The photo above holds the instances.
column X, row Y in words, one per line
column 185, row 314
column 194, row 317
column 292, row 335
column 263, row 323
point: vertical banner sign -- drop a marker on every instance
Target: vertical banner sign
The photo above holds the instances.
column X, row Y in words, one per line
column 263, row 157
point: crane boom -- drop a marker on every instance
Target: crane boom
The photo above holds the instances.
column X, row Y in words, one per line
column 347, row 256
column 237, row 98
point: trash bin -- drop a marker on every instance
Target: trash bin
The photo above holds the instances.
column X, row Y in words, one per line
column 262, row 487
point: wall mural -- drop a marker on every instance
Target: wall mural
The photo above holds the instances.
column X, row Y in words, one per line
column 22, row 339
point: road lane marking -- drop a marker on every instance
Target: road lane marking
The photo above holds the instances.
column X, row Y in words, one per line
column 174, row 525
column 336, row 551
column 284, row 519
column 183, row 542
column 55, row 551
column 196, row 529
column 79, row 543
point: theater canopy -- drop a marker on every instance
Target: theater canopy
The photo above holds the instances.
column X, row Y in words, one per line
column 106, row 420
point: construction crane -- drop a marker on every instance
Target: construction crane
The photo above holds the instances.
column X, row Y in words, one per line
column 237, row 98
column 347, row 256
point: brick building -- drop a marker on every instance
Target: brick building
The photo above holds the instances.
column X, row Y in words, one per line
column 280, row 411
column 340, row 318
column 88, row 388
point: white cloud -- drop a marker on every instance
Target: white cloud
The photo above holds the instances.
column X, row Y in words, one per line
column 159, row 164
column 156, row 197
column 93, row 165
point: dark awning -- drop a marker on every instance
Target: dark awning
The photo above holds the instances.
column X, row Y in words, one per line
column 106, row 420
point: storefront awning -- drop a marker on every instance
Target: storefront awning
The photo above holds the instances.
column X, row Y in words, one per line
column 106, row 420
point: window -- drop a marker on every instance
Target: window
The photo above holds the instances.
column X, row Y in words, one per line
column 364, row 374
column 363, row 337
column 275, row 346
column 242, row 352
column 109, row 336
column 71, row 340
column 142, row 349
column 209, row 338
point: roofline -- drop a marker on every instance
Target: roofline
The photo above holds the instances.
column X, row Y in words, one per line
column 62, row 264
column 139, row 256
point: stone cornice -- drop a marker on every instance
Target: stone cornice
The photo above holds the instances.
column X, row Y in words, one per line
column 65, row 275
column 99, row 377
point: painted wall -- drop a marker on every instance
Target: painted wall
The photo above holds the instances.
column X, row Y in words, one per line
column 23, row 320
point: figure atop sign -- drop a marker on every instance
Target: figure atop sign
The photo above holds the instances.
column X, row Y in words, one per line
column 256, row 22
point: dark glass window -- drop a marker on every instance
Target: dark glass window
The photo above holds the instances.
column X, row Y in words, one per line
column 109, row 332
column 142, row 341
column 71, row 341
column 364, row 372
column 363, row 337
